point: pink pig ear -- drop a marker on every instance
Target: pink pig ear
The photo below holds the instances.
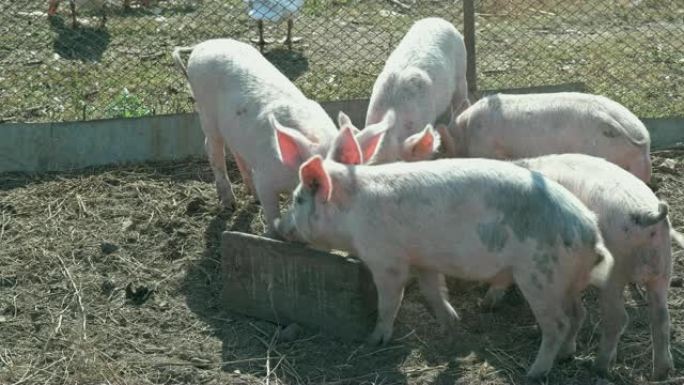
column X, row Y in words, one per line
column 370, row 137
column 315, row 179
column 293, row 146
column 346, row 149
column 422, row 145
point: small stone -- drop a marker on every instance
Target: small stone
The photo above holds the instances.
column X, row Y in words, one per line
column 669, row 164
column 107, row 287
column 126, row 224
column 108, row 247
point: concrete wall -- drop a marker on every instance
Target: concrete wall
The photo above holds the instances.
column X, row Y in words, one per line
column 36, row 147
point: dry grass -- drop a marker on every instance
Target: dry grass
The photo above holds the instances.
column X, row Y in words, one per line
column 112, row 276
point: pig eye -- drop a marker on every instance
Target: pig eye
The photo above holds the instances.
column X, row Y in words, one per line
column 299, row 200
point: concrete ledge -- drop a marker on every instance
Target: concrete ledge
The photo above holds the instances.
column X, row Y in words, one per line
column 566, row 87
column 286, row 282
column 36, row 147
column 665, row 132
column 40, row 147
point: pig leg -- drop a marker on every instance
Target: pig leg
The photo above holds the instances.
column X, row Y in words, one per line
column 389, row 281
column 459, row 101
column 215, row 147
column 499, row 284
column 103, row 22
column 268, row 195
column 245, row 172
column 660, row 327
column 433, row 286
column 614, row 322
column 217, row 159
column 74, row 22
column 577, row 314
column 547, row 305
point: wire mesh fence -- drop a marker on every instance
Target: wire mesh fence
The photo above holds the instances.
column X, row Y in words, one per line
column 629, row 50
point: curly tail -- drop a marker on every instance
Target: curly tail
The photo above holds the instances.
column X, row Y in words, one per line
column 649, row 219
column 603, row 266
column 179, row 61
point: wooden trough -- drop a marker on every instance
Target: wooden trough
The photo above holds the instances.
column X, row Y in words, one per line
column 290, row 283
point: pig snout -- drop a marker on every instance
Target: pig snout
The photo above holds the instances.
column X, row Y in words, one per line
column 286, row 229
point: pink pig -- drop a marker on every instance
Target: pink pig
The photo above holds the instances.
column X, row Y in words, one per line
column 520, row 126
column 636, row 230
column 475, row 219
column 244, row 102
column 269, row 126
column 423, row 78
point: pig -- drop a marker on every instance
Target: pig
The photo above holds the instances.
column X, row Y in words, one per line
column 244, row 102
column 423, row 78
column 521, row 126
column 636, row 230
column 474, row 219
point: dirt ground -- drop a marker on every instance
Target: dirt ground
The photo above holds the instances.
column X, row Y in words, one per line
column 111, row 275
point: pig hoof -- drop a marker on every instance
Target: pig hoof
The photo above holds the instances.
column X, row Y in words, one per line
column 450, row 321
column 492, row 299
column 660, row 374
column 600, row 369
column 567, row 352
column 535, row 375
column 228, row 204
column 378, row 338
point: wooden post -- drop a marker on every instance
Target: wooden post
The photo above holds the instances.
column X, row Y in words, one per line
column 469, row 37
column 286, row 282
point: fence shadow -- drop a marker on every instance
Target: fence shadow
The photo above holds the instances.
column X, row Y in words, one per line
column 292, row 63
column 84, row 43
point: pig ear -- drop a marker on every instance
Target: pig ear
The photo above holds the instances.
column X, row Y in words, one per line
column 370, row 137
column 314, row 178
column 346, row 149
column 422, row 145
column 344, row 121
column 293, row 147
column 447, row 140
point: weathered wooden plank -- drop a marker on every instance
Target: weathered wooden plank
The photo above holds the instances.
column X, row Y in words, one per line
column 286, row 282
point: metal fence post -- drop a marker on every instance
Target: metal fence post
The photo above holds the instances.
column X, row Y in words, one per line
column 469, row 36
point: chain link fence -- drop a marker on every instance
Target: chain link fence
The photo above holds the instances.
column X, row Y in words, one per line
column 630, row 50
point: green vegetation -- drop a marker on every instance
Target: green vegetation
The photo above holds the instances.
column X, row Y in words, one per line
column 628, row 50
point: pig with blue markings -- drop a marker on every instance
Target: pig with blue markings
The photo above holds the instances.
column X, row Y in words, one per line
column 475, row 219
column 423, row 79
column 636, row 229
column 521, row 126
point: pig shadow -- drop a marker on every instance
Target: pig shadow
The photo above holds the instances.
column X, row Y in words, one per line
column 84, row 43
column 189, row 168
column 318, row 358
column 292, row 63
